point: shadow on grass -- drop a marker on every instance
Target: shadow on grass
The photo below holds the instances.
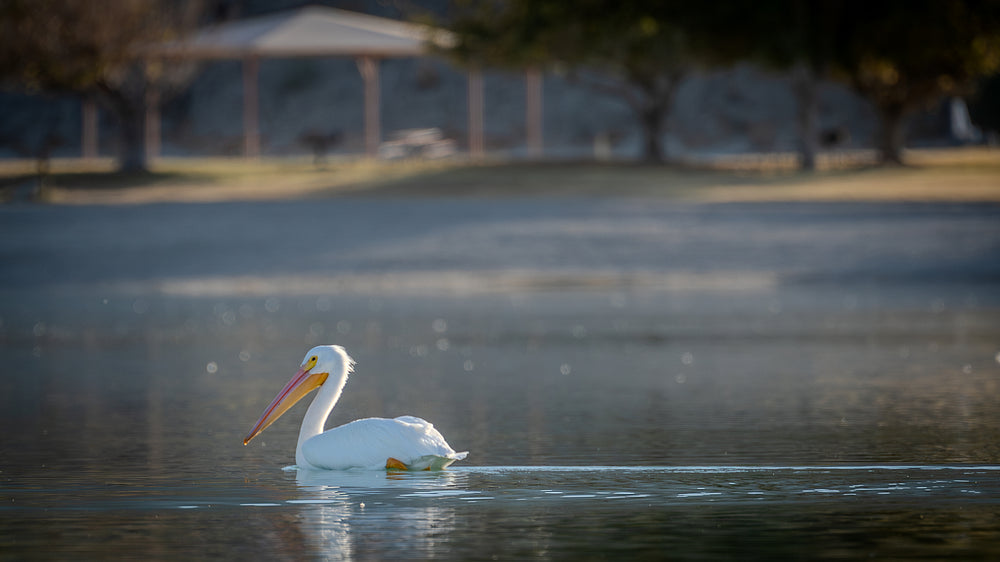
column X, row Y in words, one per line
column 119, row 180
column 582, row 178
column 35, row 187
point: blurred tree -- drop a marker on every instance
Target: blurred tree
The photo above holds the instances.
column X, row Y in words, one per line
column 91, row 47
column 790, row 35
column 906, row 54
column 634, row 49
column 899, row 54
column 985, row 106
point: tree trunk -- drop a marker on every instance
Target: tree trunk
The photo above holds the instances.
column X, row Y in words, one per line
column 807, row 115
column 653, row 114
column 132, row 136
column 129, row 109
column 651, row 119
column 892, row 135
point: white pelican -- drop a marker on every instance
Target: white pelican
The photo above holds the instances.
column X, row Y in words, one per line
column 406, row 443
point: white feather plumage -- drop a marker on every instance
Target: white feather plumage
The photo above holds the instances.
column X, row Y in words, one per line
column 366, row 443
column 369, row 442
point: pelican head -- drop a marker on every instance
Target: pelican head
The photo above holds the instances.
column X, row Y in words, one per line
column 320, row 363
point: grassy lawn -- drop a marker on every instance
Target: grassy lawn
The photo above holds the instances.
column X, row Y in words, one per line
column 968, row 174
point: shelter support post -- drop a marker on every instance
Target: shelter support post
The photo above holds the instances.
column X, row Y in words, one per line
column 475, row 95
column 152, row 122
column 533, row 110
column 369, row 69
column 251, row 131
column 88, row 143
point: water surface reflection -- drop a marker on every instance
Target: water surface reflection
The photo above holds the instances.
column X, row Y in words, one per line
column 350, row 514
column 839, row 404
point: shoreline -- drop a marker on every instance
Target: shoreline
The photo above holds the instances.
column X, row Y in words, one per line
column 931, row 175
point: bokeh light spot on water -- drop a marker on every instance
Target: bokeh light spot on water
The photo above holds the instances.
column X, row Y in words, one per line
column 212, row 367
column 565, row 369
column 244, row 355
column 468, row 365
column 439, row 326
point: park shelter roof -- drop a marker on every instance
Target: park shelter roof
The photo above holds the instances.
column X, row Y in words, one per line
column 316, row 31
column 308, row 31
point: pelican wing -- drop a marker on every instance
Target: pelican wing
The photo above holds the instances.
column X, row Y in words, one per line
column 368, row 443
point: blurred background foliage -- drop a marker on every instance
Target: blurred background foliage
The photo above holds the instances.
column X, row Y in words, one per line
column 901, row 56
column 97, row 49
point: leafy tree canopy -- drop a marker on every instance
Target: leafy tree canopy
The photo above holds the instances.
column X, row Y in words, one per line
column 638, row 48
column 87, row 47
column 900, row 54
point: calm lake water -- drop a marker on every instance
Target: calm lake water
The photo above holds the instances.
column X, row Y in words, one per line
column 632, row 379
